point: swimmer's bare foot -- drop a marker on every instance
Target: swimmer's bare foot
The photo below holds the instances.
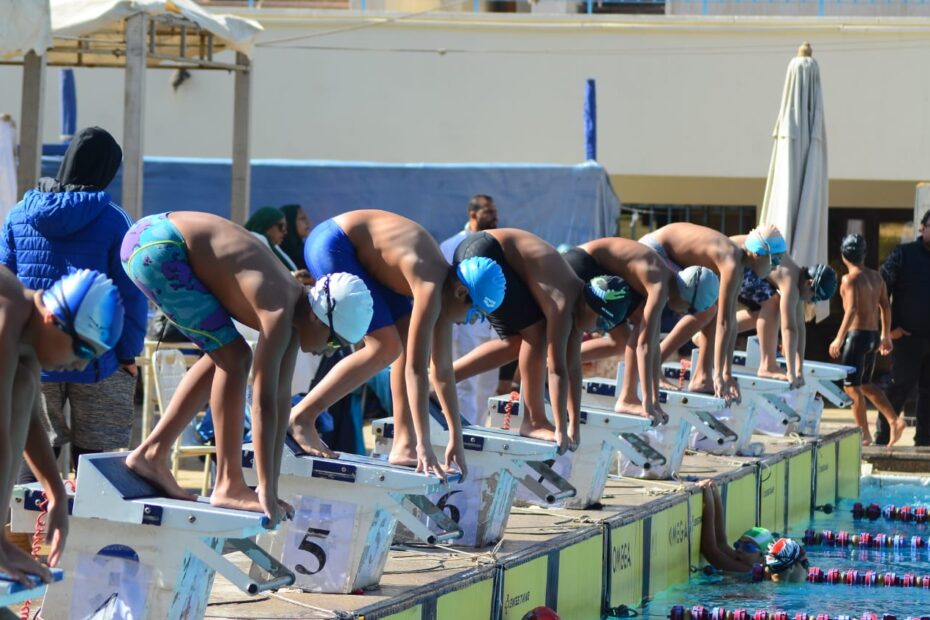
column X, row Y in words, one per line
column 630, row 407
column 404, row 456
column 158, row 472
column 771, row 374
column 310, row 442
column 545, row 432
column 657, row 415
column 235, row 496
column 701, row 385
column 897, row 428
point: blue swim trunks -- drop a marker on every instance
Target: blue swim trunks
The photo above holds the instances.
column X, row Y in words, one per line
column 328, row 249
column 754, row 290
column 154, row 256
column 650, row 242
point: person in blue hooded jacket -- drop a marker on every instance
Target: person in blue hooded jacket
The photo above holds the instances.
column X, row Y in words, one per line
column 70, row 223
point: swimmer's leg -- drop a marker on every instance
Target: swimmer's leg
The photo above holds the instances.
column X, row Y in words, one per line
column 404, row 448
column 895, row 422
column 532, row 363
column 858, row 410
column 767, row 329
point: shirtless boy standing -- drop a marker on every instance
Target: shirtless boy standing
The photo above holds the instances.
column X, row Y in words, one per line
column 654, row 285
column 417, row 298
column 64, row 328
column 202, row 271
column 683, row 243
column 540, row 323
column 866, row 308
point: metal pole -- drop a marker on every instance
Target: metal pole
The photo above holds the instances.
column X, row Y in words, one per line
column 241, row 172
column 30, row 123
column 134, row 115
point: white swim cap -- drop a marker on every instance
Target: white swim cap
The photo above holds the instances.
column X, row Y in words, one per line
column 342, row 301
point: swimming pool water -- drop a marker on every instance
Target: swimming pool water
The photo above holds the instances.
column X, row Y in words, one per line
column 736, row 591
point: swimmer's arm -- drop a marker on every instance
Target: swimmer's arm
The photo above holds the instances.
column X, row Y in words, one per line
column 802, row 337
column 9, row 360
column 444, row 379
column 725, row 337
column 427, row 302
column 285, row 375
column 850, row 303
column 647, row 345
column 611, row 344
column 884, row 313
column 714, row 546
column 573, row 360
column 41, row 460
column 790, row 329
column 273, row 342
column 558, row 314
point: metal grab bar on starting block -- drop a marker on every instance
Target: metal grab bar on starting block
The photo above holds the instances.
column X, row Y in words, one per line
column 347, row 509
column 585, row 469
column 137, row 554
column 13, row 592
column 497, row 461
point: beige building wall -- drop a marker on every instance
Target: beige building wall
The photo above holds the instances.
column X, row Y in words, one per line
column 686, row 105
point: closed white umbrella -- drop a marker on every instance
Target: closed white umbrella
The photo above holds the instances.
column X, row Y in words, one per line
column 796, row 192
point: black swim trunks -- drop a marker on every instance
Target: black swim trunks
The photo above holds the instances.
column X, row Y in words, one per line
column 519, row 310
column 860, row 351
column 755, row 291
column 586, row 268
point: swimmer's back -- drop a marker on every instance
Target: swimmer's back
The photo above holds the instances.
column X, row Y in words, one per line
column 868, row 286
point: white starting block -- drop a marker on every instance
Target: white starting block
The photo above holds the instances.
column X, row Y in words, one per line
column 346, row 511
column 497, row 461
column 819, row 378
column 14, row 593
column 133, row 553
column 585, row 469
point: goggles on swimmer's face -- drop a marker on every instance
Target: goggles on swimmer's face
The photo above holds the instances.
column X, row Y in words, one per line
column 475, row 313
column 604, row 324
column 81, row 349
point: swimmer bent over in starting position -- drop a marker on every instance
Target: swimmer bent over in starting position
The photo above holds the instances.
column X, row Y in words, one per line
column 201, row 271
column 64, row 328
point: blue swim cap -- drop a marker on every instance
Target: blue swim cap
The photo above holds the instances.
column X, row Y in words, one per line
column 90, row 310
column 610, row 297
column 699, row 286
column 485, row 282
column 766, row 241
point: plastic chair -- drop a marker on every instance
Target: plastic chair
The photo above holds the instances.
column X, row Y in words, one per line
column 168, row 368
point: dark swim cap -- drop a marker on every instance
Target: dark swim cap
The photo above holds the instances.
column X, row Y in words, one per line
column 610, row 297
column 823, row 281
column 853, row 248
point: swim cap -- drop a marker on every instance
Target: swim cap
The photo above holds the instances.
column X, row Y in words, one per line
column 765, row 241
column 562, row 248
column 782, row 555
column 853, row 248
column 823, row 281
column 485, row 282
column 541, row 613
column 343, row 302
column 88, row 306
column 609, row 296
column 699, row 286
column 761, row 536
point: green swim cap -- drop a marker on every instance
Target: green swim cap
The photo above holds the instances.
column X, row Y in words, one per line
column 760, row 536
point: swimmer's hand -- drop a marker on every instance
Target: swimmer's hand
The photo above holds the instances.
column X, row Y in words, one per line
column 886, row 345
column 18, row 565
column 275, row 509
column 56, row 530
column 835, row 347
column 574, row 436
column 727, row 389
column 455, row 455
column 427, row 463
column 304, row 277
column 898, row 332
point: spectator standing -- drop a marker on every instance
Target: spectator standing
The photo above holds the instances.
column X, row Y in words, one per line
column 69, row 223
column 474, row 391
column 906, row 272
column 298, row 229
column 270, row 225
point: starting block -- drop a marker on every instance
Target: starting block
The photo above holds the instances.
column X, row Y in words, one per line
column 497, row 461
column 346, row 511
column 14, row 593
column 585, row 469
column 819, row 383
column 132, row 553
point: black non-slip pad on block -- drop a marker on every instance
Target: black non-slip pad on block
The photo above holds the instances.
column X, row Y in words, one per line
column 129, row 484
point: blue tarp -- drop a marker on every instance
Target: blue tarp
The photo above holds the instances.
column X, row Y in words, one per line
column 561, row 204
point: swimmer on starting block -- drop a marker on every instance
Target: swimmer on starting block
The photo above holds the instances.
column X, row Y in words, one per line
column 417, row 297
column 654, row 284
column 683, row 243
column 64, row 328
column 202, row 271
column 541, row 322
column 781, row 295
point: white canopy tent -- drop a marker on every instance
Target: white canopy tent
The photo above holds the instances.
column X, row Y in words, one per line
column 797, row 190
column 135, row 34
